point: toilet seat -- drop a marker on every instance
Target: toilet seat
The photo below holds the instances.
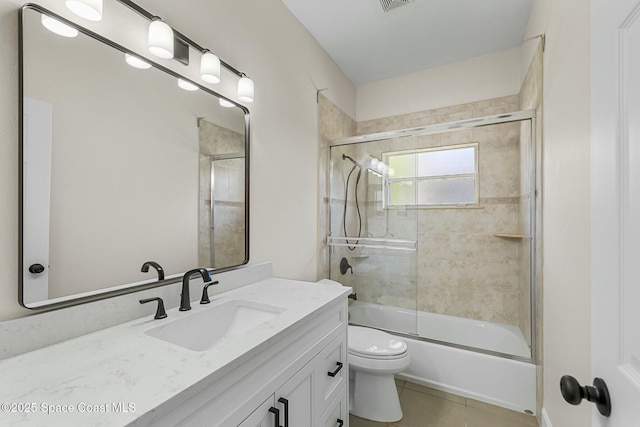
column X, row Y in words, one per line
column 373, row 344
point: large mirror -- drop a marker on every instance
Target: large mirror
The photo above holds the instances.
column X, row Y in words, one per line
column 121, row 166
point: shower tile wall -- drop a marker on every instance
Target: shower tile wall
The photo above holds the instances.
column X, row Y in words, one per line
column 440, row 115
column 462, row 268
column 229, row 212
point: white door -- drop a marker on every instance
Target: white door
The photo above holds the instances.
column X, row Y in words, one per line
column 37, row 128
column 615, row 206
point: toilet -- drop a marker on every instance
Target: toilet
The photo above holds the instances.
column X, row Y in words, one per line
column 374, row 357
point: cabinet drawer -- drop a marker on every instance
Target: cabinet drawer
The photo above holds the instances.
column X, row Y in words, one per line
column 337, row 415
column 262, row 416
column 331, row 372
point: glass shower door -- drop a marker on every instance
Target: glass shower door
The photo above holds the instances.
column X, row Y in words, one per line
column 372, row 246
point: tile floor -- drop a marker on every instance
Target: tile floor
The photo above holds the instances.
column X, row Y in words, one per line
column 426, row 407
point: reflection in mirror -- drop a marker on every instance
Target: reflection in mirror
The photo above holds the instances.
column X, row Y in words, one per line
column 121, row 166
column 222, row 207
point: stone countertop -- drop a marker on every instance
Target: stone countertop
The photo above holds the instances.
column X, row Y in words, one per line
column 117, row 375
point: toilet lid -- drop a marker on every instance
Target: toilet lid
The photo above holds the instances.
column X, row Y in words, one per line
column 371, row 342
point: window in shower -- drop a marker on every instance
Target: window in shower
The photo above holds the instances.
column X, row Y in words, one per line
column 433, row 177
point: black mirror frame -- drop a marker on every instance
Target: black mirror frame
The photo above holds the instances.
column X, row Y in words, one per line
column 71, row 301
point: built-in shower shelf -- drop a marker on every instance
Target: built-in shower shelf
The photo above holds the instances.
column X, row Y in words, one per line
column 373, row 243
column 511, row 236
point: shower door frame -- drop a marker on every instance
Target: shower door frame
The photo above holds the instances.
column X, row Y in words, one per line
column 517, row 116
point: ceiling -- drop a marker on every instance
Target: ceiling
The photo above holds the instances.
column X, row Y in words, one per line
column 369, row 44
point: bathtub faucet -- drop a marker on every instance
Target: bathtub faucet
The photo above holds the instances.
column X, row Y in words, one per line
column 344, row 266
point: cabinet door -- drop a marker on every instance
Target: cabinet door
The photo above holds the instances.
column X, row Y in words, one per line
column 263, row 416
column 295, row 399
column 337, row 415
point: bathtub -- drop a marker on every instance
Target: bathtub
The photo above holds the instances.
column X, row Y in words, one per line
column 482, row 376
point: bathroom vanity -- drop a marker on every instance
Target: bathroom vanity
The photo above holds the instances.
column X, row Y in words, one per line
column 271, row 350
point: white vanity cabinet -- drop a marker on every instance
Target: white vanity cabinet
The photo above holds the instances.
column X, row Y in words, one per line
column 293, row 364
column 291, row 405
column 301, row 380
column 314, row 396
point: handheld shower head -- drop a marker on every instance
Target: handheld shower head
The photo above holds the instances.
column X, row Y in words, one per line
column 345, row 157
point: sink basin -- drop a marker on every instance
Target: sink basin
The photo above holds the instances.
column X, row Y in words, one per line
column 212, row 326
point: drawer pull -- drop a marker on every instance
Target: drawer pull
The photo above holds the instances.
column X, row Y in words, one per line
column 276, row 416
column 340, row 422
column 334, row 373
column 285, row 403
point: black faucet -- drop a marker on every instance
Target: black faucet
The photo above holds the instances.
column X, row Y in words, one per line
column 158, row 267
column 160, row 312
column 205, row 295
column 344, row 266
column 185, row 300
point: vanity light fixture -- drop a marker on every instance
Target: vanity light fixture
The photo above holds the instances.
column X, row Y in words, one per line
column 226, row 104
column 160, row 39
column 187, row 85
column 167, row 43
column 379, row 168
column 210, row 67
column 373, row 163
column 58, row 27
column 88, row 9
column 245, row 89
column 382, row 168
column 136, row 62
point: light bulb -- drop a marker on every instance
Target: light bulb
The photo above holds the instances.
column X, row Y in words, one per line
column 245, row 89
column 160, row 39
column 210, row 68
column 187, row 85
column 226, row 104
column 58, row 27
column 88, row 9
column 373, row 164
column 136, row 62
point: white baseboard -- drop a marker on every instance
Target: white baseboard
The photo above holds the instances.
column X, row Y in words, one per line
column 546, row 422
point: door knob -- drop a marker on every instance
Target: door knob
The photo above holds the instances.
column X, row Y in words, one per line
column 36, row 268
column 573, row 393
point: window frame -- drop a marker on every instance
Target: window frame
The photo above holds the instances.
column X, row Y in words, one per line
column 415, row 179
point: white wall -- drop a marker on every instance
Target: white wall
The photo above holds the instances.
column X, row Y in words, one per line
column 264, row 40
column 488, row 76
column 566, row 201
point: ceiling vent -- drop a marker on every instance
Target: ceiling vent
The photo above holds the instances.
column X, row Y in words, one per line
column 387, row 5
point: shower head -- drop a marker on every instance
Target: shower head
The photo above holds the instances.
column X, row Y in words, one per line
column 345, row 157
